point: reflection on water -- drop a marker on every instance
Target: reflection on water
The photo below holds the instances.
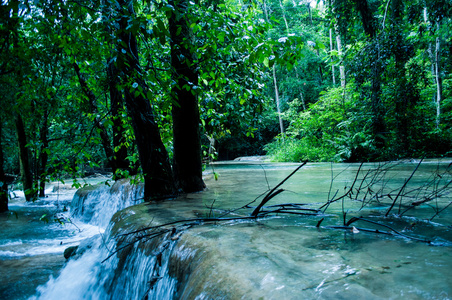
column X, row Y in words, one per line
column 287, row 257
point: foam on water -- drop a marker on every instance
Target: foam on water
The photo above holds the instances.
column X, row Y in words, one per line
column 97, row 206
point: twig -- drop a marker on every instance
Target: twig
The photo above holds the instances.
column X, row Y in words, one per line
column 354, row 219
column 272, row 193
column 403, row 187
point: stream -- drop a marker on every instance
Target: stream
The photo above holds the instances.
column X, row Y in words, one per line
column 280, row 256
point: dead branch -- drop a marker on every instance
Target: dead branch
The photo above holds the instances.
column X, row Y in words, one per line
column 273, row 192
column 403, row 187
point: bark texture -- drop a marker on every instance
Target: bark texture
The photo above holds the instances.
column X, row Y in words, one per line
column 187, row 160
column 3, row 183
column 158, row 179
column 24, row 157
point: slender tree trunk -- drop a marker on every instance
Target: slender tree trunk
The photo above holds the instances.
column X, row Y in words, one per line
column 303, row 103
column 119, row 160
column 317, row 50
column 265, row 11
column 439, row 80
column 275, row 82
column 187, row 156
column 278, row 108
column 431, row 57
column 24, row 156
column 341, row 65
column 158, row 177
column 284, row 16
column 331, row 49
column 308, row 6
column 3, row 182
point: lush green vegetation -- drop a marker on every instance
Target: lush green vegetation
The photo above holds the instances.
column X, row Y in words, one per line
column 337, row 80
column 392, row 99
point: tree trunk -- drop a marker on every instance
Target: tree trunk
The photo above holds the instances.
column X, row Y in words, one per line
column 377, row 106
column 158, row 178
column 303, row 103
column 284, row 16
column 24, row 156
column 331, row 49
column 317, row 50
column 119, row 160
column 439, row 80
column 341, row 65
column 187, row 156
column 43, row 156
column 278, row 108
column 3, row 183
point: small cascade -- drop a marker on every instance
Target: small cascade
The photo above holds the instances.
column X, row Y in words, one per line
column 96, row 205
column 138, row 271
column 96, row 271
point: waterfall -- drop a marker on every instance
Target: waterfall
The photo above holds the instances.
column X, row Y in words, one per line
column 96, row 205
column 131, row 274
column 139, row 269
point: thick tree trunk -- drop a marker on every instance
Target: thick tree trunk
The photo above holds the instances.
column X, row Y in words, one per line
column 3, row 183
column 24, row 156
column 158, row 178
column 377, row 106
column 187, row 156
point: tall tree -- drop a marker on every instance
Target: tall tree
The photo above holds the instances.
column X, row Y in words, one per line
column 24, row 156
column 377, row 105
column 24, row 151
column 3, row 182
column 187, row 164
column 158, row 176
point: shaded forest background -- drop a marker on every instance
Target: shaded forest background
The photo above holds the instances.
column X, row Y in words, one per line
column 297, row 80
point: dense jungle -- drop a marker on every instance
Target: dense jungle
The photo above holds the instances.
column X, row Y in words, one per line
column 161, row 88
column 319, row 133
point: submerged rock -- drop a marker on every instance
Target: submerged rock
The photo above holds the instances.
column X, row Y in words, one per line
column 70, row 251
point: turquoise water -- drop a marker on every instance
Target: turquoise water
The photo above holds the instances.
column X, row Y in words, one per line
column 281, row 256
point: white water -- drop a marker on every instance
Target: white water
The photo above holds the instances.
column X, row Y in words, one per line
column 31, row 249
column 90, row 277
column 98, row 205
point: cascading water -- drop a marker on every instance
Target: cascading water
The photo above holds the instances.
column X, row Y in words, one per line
column 96, row 205
column 99, row 273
